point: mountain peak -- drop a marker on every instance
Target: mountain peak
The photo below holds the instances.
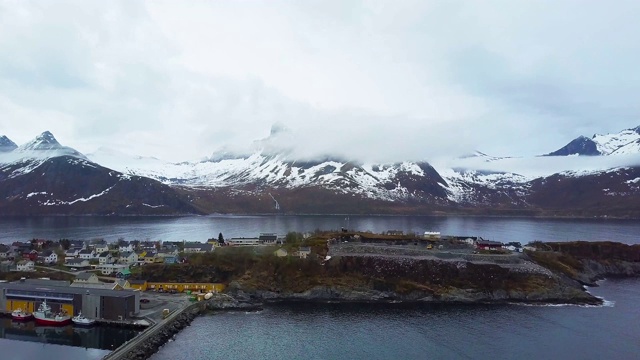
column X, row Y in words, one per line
column 44, row 141
column 581, row 145
column 6, row 144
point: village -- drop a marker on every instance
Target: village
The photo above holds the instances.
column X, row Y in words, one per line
column 98, row 272
column 118, row 258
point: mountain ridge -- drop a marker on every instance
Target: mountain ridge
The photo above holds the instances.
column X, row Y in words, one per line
column 254, row 183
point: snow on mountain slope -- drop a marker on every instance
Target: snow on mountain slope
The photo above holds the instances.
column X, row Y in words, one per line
column 27, row 157
column 369, row 180
column 622, row 143
column 608, row 144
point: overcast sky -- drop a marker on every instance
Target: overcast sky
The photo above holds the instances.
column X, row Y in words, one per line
column 370, row 79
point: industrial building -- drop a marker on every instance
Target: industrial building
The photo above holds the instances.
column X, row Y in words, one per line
column 94, row 303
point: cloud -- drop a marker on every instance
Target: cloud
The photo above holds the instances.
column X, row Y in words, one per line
column 362, row 79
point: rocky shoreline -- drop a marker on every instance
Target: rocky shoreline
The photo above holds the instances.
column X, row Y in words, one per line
column 153, row 343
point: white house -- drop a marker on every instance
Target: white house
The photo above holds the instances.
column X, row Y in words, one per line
column 77, row 263
column 243, row 241
column 25, row 265
column 101, row 247
column 72, row 253
column 125, row 247
column 111, row 269
column 105, row 258
column 4, row 251
column 197, row 247
column 87, row 277
column 87, row 254
column 303, row 252
column 49, row 257
column 128, row 257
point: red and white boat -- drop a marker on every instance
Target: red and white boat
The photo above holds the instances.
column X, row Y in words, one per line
column 44, row 316
column 20, row 315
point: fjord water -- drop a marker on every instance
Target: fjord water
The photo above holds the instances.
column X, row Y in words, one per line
column 372, row 332
column 200, row 228
column 67, row 342
column 332, row 331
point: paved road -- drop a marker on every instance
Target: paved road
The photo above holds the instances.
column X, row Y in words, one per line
column 58, row 270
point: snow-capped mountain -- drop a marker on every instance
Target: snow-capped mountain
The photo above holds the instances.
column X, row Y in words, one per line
column 623, row 143
column 44, row 177
column 6, row 144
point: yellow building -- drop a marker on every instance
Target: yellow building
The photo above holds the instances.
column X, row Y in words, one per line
column 182, row 287
column 138, row 284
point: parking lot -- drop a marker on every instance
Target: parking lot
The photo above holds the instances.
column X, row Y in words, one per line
column 158, row 301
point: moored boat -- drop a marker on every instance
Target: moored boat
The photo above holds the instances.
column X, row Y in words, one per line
column 44, row 316
column 20, row 315
column 82, row 321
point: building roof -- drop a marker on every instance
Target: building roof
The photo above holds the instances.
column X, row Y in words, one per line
column 46, row 253
column 43, row 282
column 77, row 261
column 106, row 286
column 137, row 282
column 125, row 271
column 86, row 252
column 24, row 262
column 104, row 254
column 126, row 254
column 305, row 249
column 4, row 248
column 488, row 243
column 192, row 245
column 85, row 275
column 268, row 237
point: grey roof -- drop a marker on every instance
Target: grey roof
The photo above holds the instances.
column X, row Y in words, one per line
column 47, row 253
column 67, row 289
column 44, row 282
column 84, row 275
column 4, row 248
column 86, row 251
column 77, row 261
column 126, row 254
column 108, row 286
column 268, row 237
column 489, row 243
column 104, row 254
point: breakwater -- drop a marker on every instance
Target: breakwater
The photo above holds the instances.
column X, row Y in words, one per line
column 151, row 339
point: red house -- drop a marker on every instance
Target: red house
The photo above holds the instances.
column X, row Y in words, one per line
column 488, row 245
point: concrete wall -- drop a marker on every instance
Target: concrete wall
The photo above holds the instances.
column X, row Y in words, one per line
column 91, row 306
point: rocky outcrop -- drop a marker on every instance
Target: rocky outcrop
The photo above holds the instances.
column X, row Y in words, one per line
column 589, row 261
column 400, row 279
column 240, row 301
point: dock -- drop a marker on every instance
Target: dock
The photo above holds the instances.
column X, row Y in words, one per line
column 122, row 352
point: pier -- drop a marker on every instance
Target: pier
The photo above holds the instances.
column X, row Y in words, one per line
column 125, row 349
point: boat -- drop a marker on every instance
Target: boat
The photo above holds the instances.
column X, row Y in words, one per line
column 82, row 321
column 20, row 315
column 44, row 316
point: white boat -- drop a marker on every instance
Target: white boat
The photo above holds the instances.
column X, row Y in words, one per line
column 81, row 320
column 44, row 316
column 20, row 315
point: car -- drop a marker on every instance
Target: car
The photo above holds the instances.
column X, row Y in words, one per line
column 145, row 301
column 74, row 269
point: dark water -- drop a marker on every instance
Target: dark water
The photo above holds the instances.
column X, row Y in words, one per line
column 371, row 332
column 200, row 228
column 67, row 342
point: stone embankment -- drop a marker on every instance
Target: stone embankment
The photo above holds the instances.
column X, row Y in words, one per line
column 149, row 341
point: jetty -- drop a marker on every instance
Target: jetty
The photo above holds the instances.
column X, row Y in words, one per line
column 154, row 334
